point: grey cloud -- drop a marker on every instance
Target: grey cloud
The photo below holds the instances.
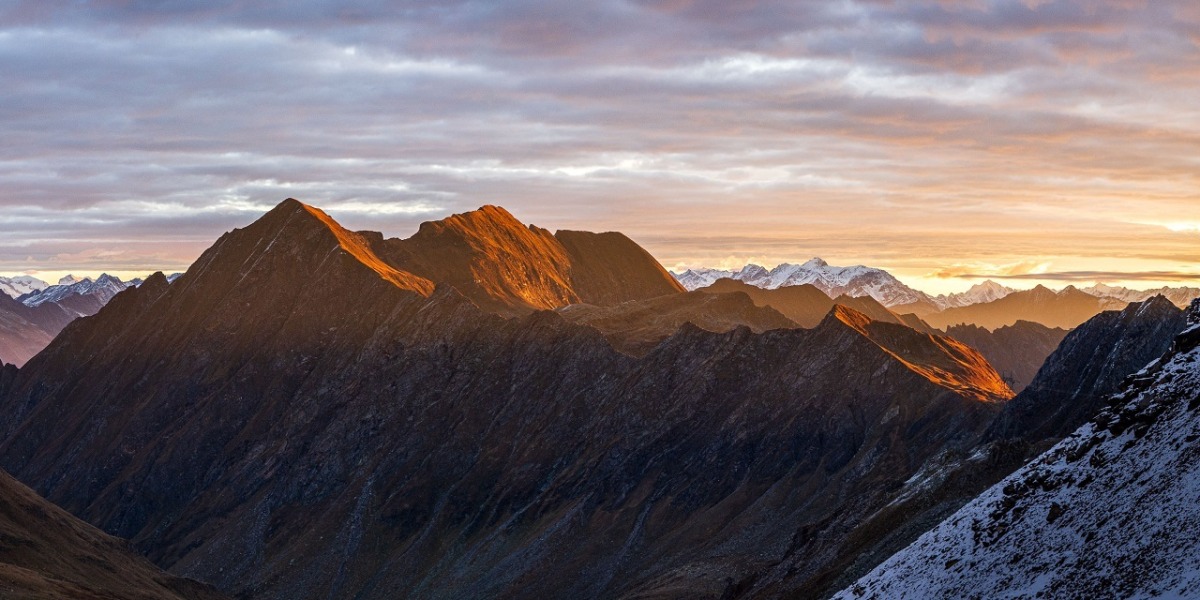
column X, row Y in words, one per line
column 631, row 115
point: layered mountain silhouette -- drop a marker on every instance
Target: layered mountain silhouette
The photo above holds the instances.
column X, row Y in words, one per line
column 311, row 412
column 29, row 322
column 1091, row 362
column 1016, row 351
column 807, row 305
column 1066, row 309
column 47, row 553
column 637, row 326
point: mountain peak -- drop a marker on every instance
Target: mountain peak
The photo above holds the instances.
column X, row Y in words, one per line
column 941, row 360
column 847, row 316
column 815, row 263
column 483, row 221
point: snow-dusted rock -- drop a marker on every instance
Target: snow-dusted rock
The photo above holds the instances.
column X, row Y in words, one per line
column 1110, row 512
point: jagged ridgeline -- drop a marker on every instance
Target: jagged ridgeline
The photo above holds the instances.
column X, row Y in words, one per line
column 311, row 412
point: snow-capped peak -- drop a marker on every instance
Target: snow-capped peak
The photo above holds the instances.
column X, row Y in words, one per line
column 71, row 280
column 987, row 291
column 853, row 281
column 21, row 284
column 103, row 288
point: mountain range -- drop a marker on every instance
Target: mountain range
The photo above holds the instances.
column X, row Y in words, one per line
column 986, row 304
column 385, row 433
column 30, row 321
column 488, row 409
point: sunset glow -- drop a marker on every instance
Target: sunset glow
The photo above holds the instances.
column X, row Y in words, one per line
column 1051, row 142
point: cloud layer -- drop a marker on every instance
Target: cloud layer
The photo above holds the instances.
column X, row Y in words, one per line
column 913, row 135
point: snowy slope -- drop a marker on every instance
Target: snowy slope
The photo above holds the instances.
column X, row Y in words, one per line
column 988, row 291
column 21, row 285
column 694, row 279
column 855, row 281
column 1110, row 512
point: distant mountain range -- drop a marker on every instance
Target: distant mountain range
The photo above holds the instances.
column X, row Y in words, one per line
column 21, row 285
column 987, row 304
column 31, row 319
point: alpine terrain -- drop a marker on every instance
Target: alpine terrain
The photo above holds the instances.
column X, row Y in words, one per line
column 311, row 412
column 1109, row 512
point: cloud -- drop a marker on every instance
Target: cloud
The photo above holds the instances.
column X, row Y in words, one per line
column 1088, row 276
column 1024, row 269
column 923, row 133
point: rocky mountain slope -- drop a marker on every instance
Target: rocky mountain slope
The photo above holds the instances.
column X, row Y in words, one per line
column 46, row 554
column 1109, row 512
column 380, row 435
column 507, row 268
column 1017, row 351
column 1088, row 365
column 20, row 336
column 637, row 326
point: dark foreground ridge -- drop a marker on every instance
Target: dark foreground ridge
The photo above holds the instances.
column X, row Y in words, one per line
column 47, row 553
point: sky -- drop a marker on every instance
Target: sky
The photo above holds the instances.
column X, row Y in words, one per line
column 1027, row 141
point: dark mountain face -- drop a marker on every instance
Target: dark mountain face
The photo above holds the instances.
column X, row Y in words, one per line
column 297, row 417
column 1088, row 365
column 1016, row 351
column 46, row 553
column 20, row 337
column 609, row 268
column 637, row 326
column 807, row 305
